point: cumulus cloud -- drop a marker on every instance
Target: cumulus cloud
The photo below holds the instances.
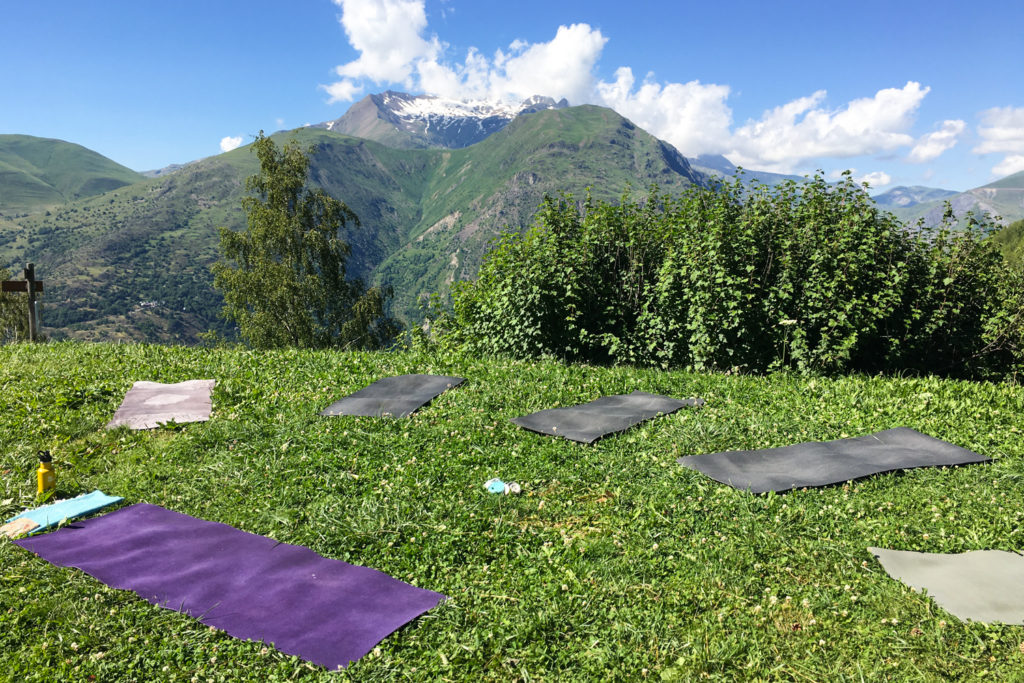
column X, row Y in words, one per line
column 395, row 47
column 805, row 129
column 229, row 143
column 1002, row 131
column 931, row 145
column 692, row 116
column 392, row 49
column 387, row 34
column 875, row 179
column 1013, row 163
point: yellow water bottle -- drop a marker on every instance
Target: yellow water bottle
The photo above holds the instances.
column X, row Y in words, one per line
column 45, row 475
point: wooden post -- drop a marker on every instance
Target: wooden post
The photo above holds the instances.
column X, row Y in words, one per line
column 30, row 277
column 33, row 286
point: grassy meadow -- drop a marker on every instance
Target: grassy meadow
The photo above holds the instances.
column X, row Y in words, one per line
column 615, row 563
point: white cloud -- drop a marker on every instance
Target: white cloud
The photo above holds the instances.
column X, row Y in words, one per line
column 1002, row 131
column 692, row 116
column 931, row 145
column 387, row 34
column 229, row 143
column 395, row 47
column 563, row 67
column 875, row 179
column 1013, row 163
column 803, row 129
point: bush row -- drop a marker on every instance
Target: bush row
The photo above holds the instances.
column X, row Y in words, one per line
column 808, row 276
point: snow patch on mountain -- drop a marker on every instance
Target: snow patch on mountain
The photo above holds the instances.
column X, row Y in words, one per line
column 429, row 121
column 429, row 107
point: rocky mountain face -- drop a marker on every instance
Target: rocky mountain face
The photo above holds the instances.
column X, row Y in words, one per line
column 423, row 121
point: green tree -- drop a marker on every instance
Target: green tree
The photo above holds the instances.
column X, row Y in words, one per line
column 283, row 278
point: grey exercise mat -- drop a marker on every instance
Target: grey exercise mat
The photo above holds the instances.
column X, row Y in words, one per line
column 980, row 585
column 820, row 463
column 147, row 405
column 588, row 422
column 398, row 396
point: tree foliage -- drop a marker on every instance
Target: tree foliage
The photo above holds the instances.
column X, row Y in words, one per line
column 809, row 276
column 283, row 278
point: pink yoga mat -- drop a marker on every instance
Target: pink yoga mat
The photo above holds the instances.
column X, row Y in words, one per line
column 149, row 404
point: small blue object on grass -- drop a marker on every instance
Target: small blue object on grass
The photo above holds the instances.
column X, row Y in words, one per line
column 498, row 486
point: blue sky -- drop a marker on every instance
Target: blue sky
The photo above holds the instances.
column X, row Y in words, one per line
column 904, row 92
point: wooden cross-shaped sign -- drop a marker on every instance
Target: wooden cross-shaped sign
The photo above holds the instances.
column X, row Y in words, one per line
column 31, row 285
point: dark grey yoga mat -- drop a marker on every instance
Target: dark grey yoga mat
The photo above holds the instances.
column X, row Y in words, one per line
column 326, row 611
column 820, row 463
column 588, row 422
column 980, row 585
column 398, row 396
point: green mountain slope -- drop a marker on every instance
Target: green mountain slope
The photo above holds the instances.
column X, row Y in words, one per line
column 134, row 263
column 39, row 172
column 479, row 191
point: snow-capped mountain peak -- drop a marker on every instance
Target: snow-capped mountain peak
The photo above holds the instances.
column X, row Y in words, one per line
column 404, row 120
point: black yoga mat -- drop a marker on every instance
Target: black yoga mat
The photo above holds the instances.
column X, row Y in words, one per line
column 397, row 396
column 588, row 422
column 326, row 611
column 820, row 463
column 980, row 585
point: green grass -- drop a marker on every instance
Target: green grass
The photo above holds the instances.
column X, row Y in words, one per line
column 615, row 563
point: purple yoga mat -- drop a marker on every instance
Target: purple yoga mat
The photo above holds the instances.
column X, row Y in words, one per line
column 325, row 611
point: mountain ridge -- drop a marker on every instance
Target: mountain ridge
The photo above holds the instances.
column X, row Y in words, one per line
column 1003, row 198
column 38, row 172
column 409, row 121
column 428, row 216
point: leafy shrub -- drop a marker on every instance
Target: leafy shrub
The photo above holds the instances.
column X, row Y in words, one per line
column 809, row 276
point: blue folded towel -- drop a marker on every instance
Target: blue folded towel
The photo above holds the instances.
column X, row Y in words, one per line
column 54, row 513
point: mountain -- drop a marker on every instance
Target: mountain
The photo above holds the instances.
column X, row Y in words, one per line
column 408, row 121
column 1003, row 198
column 36, row 173
column 134, row 263
column 422, row 121
column 717, row 165
column 906, row 197
column 170, row 168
